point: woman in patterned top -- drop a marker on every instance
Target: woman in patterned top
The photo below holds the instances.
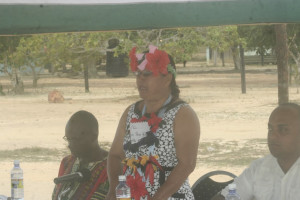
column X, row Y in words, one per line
column 156, row 142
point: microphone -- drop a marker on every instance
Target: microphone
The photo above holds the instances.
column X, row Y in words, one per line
column 81, row 176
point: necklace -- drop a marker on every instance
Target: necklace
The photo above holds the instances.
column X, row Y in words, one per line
column 161, row 110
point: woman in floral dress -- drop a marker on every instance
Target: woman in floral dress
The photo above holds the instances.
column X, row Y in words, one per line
column 156, row 142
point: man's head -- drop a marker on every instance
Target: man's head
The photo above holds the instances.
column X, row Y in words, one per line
column 284, row 132
column 81, row 132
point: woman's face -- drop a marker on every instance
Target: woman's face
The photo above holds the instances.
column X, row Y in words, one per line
column 152, row 87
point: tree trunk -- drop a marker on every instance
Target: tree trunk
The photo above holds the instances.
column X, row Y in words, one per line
column 235, row 57
column 215, row 56
column 1, row 90
column 34, row 77
column 262, row 59
column 92, row 68
column 86, row 78
column 222, row 58
column 243, row 76
column 282, row 63
column 34, row 82
column 18, row 86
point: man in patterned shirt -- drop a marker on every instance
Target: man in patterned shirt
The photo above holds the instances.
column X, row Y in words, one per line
column 81, row 133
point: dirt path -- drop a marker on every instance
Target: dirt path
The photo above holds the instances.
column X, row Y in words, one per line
column 225, row 115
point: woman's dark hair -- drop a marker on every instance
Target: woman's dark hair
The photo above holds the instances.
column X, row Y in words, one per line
column 174, row 87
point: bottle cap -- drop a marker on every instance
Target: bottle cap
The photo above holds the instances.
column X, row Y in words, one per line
column 122, row 178
column 232, row 186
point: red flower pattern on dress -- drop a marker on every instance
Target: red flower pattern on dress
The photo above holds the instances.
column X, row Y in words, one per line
column 154, row 122
column 135, row 120
column 149, row 172
column 137, row 186
column 147, row 164
column 151, row 167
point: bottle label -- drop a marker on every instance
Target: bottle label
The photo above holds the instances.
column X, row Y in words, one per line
column 17, row 188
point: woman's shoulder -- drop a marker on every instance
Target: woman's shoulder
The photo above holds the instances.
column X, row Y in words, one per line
column 184, row 110
column 132, row 107
column 176, row 104
column 130, row 110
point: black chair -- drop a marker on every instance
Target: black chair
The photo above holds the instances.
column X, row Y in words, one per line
column 205, row 187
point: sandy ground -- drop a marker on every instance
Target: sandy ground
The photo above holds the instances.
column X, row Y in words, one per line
column 224, row 113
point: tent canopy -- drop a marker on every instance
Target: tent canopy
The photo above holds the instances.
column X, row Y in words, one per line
column 50, row 16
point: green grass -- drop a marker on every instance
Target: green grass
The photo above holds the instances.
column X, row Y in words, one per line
column 39, row 154
column 33, row 154
column 231, row 153
column 212, row 153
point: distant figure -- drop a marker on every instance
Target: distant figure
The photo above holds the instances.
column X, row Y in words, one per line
column 275, row 176
column 81, row 133
column 55, row 97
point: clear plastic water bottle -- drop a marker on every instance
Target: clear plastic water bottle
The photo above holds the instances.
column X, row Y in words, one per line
column 17, row 187
column 123, row 190
column 232, row 195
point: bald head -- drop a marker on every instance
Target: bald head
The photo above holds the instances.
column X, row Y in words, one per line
column 284, row 133
column 85, row 121
column 82, row 134
column 292, row 106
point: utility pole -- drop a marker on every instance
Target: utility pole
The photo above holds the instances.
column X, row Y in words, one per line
column 282, row 63
column 243, row 73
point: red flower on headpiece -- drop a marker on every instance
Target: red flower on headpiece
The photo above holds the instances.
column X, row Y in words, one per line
column 133, row 59
column 157, row 62
column 137, row 186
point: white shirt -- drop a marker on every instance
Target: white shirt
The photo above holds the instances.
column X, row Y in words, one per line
column 265, row 180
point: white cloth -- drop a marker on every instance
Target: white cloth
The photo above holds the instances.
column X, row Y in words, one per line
column 265, row 180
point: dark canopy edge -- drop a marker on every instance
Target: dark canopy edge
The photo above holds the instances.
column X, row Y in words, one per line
column 30, row 19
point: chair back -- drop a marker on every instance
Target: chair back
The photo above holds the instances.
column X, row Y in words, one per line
column 205, row 187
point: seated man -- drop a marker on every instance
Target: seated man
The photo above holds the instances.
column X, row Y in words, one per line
column 81, row 132
column 275, row 176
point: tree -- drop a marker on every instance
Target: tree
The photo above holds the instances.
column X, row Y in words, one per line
column 259, row 38
column 221, row 38
column 31, row 53
column 182, row 43
column 8, row 46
